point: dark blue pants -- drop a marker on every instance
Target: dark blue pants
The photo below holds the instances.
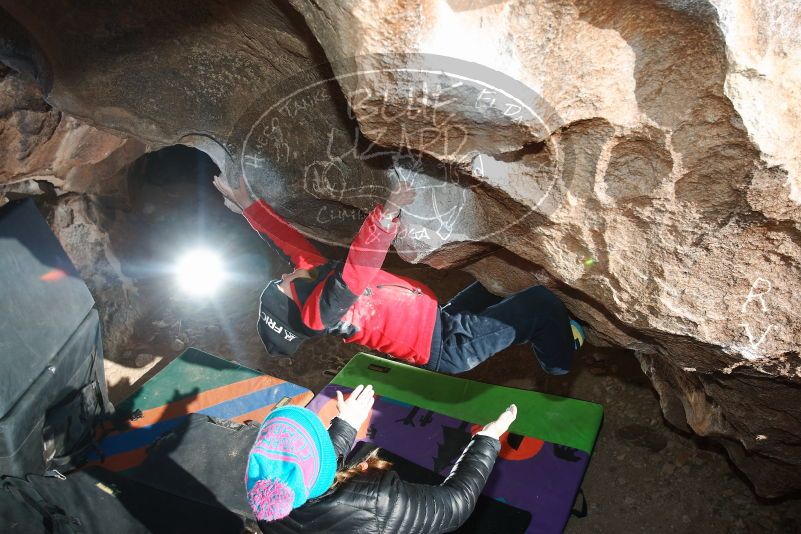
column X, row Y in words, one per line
column 476, row 324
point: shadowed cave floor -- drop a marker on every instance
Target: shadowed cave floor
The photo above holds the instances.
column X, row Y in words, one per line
column 643, row 477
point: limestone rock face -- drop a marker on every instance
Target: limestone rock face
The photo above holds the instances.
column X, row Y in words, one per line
column 84, row 229
column 161, row 71
column 44, row 145
column 763, row 81
column 640, row 158
column 47, row 151
column 674, row 227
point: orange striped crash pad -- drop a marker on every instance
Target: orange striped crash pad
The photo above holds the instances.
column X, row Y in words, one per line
column 195, row 382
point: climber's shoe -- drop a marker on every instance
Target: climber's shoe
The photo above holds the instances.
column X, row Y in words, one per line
column 578, row 333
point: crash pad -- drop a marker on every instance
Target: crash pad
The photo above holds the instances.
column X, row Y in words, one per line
column 195, row 382
column 569, row 422
column 428, row 418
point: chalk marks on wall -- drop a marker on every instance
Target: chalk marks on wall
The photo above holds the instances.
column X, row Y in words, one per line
column 757, row 335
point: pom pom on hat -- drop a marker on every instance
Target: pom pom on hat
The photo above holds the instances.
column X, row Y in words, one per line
column 271, row 499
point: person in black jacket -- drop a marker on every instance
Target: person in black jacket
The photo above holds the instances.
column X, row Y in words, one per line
column 291, row 452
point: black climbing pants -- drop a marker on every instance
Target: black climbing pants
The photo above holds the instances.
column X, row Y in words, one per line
column 476, row 324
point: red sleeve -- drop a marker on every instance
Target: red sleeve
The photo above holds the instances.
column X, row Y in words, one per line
column 300, row 251
column 368, row 251
column 310, row 313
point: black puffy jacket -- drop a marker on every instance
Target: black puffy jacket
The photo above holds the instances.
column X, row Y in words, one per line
column 381, row 503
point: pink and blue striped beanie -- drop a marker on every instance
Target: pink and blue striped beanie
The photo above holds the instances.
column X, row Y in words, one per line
column 293, row 460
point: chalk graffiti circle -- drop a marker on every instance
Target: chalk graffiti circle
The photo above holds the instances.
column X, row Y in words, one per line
column 327, row 144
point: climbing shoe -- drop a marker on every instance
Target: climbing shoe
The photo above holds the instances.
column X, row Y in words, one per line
column 578, row 333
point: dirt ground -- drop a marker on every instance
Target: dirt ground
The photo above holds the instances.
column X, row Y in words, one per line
column 643, row 477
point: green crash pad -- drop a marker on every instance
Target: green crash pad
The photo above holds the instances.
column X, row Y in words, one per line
column 560, row 420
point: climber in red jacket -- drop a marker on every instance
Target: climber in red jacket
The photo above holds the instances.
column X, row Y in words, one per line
column 362, row 303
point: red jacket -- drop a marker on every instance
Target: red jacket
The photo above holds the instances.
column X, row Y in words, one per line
column 390, row 313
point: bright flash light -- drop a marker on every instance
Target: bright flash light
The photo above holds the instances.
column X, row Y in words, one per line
column 200, row 272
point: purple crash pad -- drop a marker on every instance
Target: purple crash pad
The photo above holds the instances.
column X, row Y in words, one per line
column 534, row 475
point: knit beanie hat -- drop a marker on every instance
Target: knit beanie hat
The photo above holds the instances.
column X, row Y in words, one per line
column 292, row 460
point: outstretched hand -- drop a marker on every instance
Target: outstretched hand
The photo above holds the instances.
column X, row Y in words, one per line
column 402, row 195
column 356, row 408
column 496, row 428
column 239, row 197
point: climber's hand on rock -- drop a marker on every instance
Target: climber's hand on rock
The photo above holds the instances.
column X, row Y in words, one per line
column 240, row 196
column 402, row 195
column 356, row 408
column 496, row 428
